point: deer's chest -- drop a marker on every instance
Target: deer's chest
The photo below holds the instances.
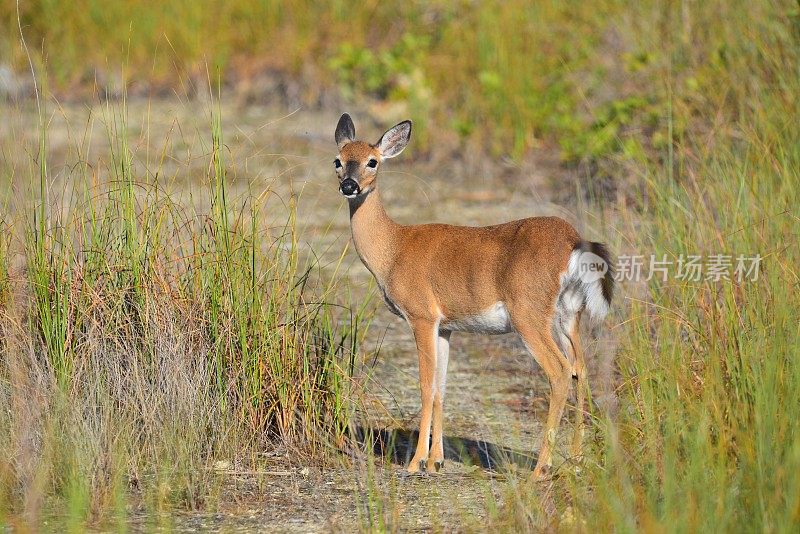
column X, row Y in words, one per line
column 390, row 304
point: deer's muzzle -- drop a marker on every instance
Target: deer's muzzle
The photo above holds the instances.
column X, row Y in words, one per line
column 349, row 188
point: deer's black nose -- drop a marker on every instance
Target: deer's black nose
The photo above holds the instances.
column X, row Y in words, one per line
column 349, row 187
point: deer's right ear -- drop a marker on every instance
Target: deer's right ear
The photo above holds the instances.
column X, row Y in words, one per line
column 345, row 131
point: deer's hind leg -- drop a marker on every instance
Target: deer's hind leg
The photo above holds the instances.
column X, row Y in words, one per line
column 582, row 386
column 536, row 332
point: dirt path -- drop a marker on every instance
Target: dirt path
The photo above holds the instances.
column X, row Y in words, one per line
column 497, row 396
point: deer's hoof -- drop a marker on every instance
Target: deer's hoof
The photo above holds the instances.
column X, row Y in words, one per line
column 416, row 466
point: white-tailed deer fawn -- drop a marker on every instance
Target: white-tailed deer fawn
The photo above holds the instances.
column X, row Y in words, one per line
column 535, row 276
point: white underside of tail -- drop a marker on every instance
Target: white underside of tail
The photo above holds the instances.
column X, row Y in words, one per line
column 581, row 292
column 582, row 289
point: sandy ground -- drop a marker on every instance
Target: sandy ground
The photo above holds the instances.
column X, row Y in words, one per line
column 497, row 396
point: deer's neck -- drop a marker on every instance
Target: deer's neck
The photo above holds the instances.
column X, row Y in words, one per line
column 375, row 234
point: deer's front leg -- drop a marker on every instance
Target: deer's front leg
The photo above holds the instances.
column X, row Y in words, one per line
column 436, row 458
column 425, row 334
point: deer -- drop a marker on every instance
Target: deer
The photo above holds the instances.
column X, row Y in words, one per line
column 535, row 276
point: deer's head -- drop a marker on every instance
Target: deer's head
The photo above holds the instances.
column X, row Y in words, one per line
column 358, row 161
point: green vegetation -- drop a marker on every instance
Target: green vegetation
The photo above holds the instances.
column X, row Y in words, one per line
column 152, row 335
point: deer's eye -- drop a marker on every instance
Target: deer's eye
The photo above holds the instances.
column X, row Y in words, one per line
column 372, row 163
column 337, row 163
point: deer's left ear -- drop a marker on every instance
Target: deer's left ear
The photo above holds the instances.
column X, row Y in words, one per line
column 395, row 139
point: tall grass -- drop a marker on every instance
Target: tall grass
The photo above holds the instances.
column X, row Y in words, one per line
column 4, row 280
column 151, row 338
column 706, row 437
column 707, row 434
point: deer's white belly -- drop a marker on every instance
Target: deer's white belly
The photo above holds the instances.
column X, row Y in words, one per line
column 494, row 320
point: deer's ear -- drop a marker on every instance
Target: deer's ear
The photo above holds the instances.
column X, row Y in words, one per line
column 345, row 131
column 395, row 139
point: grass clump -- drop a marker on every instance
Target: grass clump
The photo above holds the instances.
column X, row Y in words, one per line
column 707, row 432
column 152, row 338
